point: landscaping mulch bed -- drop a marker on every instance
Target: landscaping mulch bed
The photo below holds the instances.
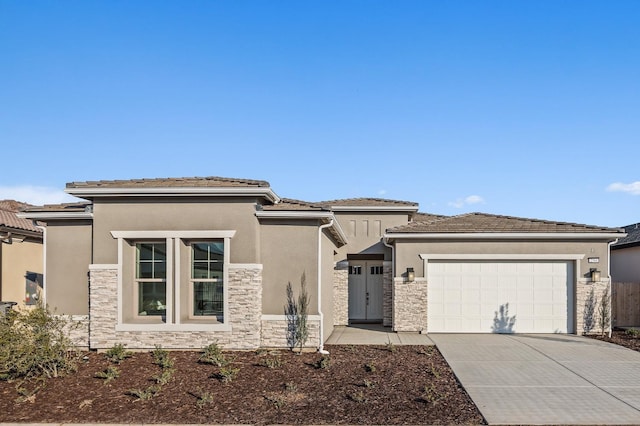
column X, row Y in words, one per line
column 360, row 385
column 621, row 338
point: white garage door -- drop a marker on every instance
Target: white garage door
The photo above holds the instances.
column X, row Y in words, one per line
column 500, row 297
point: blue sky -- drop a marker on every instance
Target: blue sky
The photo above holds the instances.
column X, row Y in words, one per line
column 524, row 108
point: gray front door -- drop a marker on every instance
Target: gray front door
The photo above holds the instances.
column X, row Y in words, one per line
column 365, row 291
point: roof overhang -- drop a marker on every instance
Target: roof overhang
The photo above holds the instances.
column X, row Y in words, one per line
column 89, row 193
column 504, row 236
column 374, row 208
column 44, row 216
column 325, row 217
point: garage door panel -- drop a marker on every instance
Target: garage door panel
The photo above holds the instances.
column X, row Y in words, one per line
column 467, row 296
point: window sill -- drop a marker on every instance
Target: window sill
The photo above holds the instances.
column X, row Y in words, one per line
column 174, row 327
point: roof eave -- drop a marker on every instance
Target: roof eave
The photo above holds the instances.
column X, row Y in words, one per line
column 504, row 235
column 314, row 215
column 44, row 216
column 374, row 208
column 90, row 193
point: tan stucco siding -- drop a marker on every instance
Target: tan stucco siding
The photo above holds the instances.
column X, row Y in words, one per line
column 364, row 231
column 17, row 259
column 408, row 251
column 625, row 265
column 68, row 258
column 288, row 250
column 328, row 263
column 173, row 215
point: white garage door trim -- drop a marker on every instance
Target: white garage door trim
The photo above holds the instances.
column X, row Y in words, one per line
column 474, row 306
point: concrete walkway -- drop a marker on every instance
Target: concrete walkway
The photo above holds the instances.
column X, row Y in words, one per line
column 545, row 379
column 374, row 334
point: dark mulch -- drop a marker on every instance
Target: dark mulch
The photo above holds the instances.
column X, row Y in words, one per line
column 409, row 385
column 619, row 337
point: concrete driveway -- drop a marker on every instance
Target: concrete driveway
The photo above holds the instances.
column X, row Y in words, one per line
column 545, row 378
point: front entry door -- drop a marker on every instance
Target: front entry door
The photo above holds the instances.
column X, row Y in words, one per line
column 365, row 291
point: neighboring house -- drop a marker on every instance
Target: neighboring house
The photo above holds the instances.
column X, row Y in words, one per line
column 625, row 256
column 184, row 262
column 21, row 262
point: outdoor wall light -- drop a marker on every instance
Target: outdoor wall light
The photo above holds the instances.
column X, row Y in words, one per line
column 411, row 275
column 595, row 275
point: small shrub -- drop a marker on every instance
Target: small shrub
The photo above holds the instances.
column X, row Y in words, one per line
column 276, row 399
column 35, row 343
column 370, row 367
column 633, row 332
column 164, row 377
column 227, row 374
column 368, row 383
column 118, row 353
column 161, row 358
column 204, row 399
column 431, row 394
column 290, row 387
column 109, row 374
column 357, row 396
column 271, row 362
column 145, row 394
column 434, row 371
column 390, row 347
column 212, row 354
column 323, row 362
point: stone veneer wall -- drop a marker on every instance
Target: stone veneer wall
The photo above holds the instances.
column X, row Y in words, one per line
column 245, row 305
column 341, row 294
column 78, row 329
column 584, row 300
column 387, row 294
column 274, row 333
column 410, row 305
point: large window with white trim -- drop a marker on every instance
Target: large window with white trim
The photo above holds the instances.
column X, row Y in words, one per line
column 173, row 280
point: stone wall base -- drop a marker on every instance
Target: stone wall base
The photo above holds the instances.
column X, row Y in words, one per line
column 410, row 305
column 274, row 333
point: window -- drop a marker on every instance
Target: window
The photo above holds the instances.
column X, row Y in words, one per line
column 173, row 280
column 207, row 279
column 376, row 270
column 355, row 270
column 151, row 278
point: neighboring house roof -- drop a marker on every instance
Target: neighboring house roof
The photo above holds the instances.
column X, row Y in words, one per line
column 490, row 223
column 208, row 181
column 64, row 207
column 632, row 238
column 10, row 222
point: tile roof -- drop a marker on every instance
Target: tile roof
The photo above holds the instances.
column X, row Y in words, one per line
column 64, row 207
column 483, row 222
column 425, row 217
column 632, row 239
column 186, row 182
column 367, row 202
column 291, row 204
column 11, row 222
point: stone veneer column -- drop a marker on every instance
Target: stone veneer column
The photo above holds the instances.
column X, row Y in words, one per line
column 341, row 293
column 410, row 305
column 244, row 291
column 387, row 294
column 584, row 300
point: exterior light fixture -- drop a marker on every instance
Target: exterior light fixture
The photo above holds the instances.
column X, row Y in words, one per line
column 411, row 275
column 595, row 275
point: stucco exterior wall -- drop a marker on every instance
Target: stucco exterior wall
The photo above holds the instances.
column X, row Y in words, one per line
column 68, row 257
column 148, row 214
column 408, row 251
column 288, row 251
column 364, row 231
column 327, row 265
column 625, row 265
column 17, row 259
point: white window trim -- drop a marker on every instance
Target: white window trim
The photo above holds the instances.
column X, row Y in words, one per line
column 173, row 239
column 168, row 282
